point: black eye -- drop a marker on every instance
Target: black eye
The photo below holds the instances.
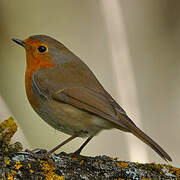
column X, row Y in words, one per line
column 41, row 49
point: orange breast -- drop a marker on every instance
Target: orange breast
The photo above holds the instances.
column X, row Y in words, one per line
column 30, row 69
column 29, row 91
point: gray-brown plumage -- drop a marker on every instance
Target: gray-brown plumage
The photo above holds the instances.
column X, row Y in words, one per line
column 67, row 95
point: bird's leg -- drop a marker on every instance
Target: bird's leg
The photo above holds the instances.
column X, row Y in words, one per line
column 77, row 152
column 63, row 143
column 42, row 153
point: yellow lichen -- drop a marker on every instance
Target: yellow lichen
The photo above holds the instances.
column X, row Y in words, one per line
column 156, row 166
column 31, row 171
column 18, row 165
column 29, row 165
column 173, row 170
column 49, row 173
column 11, row 176
column 10, row 124
column 81, row 162
column 6, row 160
column 122, row 164
column 46, row 166
column 74, row 159
column 7, row 129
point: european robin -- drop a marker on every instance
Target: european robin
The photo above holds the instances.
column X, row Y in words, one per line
column 67, row 95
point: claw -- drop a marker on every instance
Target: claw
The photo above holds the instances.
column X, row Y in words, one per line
column 36, row 153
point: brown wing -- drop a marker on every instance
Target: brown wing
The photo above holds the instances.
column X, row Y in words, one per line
column 87, row 95
column 91, row 101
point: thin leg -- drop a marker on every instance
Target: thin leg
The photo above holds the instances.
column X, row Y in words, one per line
column 63, row 143
column 83, row 145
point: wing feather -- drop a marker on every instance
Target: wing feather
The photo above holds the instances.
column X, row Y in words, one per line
column 94, row 100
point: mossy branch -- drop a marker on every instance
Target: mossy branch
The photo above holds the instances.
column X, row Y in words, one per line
column 17, row 164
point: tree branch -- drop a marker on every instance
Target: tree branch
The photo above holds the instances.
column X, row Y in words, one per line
column 18, row 164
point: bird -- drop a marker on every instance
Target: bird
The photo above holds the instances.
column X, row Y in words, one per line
column 66, row 94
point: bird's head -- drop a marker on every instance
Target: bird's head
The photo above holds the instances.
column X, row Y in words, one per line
column 43, row 51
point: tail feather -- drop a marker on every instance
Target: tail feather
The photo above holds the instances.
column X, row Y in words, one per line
column 141, row 135
column 145, row 138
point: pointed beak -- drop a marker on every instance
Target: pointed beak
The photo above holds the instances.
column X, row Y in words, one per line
column 20, row 42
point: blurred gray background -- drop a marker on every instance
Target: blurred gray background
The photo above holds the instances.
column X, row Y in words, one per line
column 133, row 47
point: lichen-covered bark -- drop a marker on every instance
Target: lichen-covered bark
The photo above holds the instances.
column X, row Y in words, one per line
column 18, row 164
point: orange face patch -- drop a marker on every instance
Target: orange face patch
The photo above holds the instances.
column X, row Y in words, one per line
column 35, row 58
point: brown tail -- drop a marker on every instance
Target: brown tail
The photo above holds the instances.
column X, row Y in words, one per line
column 146, row 139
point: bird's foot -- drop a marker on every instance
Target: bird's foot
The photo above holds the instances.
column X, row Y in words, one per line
column 76, row 153
column 36, row 153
